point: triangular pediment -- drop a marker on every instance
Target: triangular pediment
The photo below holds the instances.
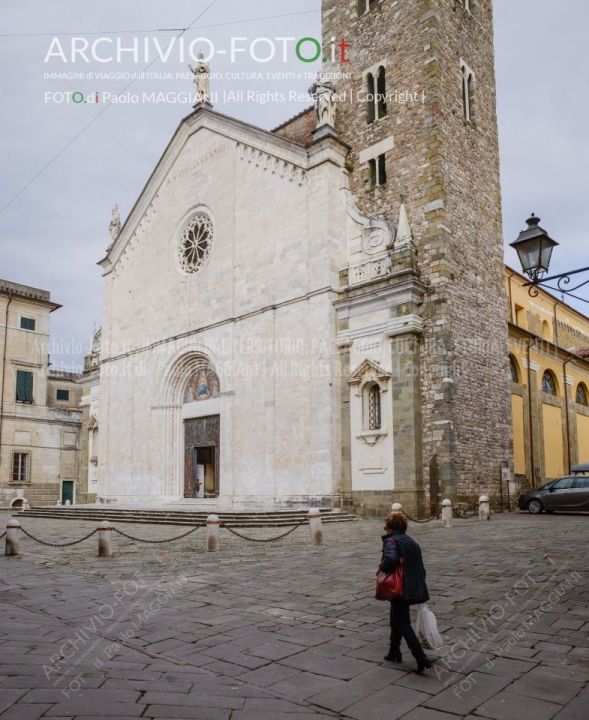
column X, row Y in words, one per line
column 369, row 369
column 261, row 147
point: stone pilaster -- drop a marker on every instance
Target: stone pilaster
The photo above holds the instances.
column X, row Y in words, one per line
column 407, row 422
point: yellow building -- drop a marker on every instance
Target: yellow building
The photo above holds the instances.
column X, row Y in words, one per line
column 549, row 358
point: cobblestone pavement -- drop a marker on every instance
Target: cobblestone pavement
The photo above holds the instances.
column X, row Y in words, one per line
column 284, row 630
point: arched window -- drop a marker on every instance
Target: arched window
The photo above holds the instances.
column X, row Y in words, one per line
column 468, row 82
column 546, row 333
column 370, row 98
column 549, row 384
column 514, row 369
column 582, row 397
column 376, row 92
column 373, row 407
column 381, row 89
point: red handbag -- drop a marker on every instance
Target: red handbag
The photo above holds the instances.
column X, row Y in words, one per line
column 390, row 585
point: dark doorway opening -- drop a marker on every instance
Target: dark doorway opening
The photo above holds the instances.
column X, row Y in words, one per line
column 201, row 466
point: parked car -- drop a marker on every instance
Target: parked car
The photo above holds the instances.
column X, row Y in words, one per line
column 567, row 493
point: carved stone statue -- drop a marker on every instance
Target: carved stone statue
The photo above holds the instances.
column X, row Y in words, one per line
column 201, row 80
column 323, row 92
column 115, row 223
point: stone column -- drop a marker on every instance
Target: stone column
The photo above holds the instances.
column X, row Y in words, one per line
column 407, row 422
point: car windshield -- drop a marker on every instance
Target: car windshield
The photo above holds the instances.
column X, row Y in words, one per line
column 547, row 485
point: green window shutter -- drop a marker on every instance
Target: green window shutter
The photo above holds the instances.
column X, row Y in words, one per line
column 24, row 386
column 63, row 394
column 27, row 323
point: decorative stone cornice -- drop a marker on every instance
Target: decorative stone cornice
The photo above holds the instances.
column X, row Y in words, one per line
column 271, row 163
column 391, row 328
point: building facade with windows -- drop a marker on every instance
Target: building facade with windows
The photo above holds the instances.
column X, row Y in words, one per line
column 39, row 406
column 317, row 313
column 549, row 365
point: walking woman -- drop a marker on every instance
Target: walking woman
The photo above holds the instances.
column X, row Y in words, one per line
column 396, row 544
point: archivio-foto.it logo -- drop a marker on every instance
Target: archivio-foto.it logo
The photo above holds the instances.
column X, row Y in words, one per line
column 79, row 49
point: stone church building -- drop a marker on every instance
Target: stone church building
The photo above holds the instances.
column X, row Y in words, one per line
column 316, row 315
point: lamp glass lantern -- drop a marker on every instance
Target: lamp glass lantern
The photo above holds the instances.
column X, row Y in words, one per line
column 534, row 248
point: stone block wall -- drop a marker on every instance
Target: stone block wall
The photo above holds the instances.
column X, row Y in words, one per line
column 447, row 171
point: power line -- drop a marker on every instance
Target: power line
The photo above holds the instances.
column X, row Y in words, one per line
column 89, row 124
column 181, row 32
column 159, row 30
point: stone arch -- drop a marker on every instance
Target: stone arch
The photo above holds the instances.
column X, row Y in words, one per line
column 174, row 381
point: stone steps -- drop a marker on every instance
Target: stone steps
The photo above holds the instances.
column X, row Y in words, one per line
column 262, row 518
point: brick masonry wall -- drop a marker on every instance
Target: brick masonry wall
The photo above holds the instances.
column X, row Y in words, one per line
column 448, row 173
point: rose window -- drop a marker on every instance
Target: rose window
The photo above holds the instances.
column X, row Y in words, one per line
column 195, row 242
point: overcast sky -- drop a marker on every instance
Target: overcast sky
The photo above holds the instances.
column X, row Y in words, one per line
column 56, row 229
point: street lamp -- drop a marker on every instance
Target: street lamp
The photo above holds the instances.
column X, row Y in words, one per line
column 534, row 247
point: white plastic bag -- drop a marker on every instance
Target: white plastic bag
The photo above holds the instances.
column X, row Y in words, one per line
column 427, row 628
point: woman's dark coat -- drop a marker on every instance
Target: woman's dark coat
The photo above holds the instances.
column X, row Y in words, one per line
column 398, row 545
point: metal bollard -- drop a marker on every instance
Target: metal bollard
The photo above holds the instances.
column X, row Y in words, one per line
column 447, row 513
column 12, row 536
column 484, row 508
column 396, row 509
column 315, row 526
column 213, row 523
column 105, row 539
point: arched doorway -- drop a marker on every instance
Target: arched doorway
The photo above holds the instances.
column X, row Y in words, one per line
column 192, row 430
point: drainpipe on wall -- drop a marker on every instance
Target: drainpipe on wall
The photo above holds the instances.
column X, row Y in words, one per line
column 531, row 415
column 511, row 313
column 556, row 325
column 4, row 371
column 566, row 406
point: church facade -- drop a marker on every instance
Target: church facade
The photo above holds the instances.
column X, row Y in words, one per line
column 316, row 315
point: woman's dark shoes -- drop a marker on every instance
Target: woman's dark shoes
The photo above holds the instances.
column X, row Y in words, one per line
column 394, row 656
column 423, row 663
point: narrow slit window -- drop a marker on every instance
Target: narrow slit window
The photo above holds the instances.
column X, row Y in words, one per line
column 468, row 94
column 381, row 92
column 374, row 408
column 370, row 95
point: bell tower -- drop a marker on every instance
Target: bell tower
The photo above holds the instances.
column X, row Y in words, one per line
column 420, row 118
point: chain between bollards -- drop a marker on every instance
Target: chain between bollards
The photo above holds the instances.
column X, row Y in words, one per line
column 58, row 545
column 157, row 542
column 263, row 540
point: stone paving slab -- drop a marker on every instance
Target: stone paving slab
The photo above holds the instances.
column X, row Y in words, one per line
column 157, row 632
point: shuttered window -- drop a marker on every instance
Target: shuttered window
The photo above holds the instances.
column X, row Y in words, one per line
column 27, row 323
column 24, row 386
column 21, row 466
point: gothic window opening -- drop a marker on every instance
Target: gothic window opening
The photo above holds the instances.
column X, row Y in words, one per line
column 582, row 397
column 195, row 242
column 374, row 407
column 378, row 171
column 549, row 385
column 381, row 92
column 468, row 101
column 376, row 91
column 370, row 94
column 365, row 5
column 514, row 369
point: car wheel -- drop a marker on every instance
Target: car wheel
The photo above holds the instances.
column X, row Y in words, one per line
column 535, row 506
